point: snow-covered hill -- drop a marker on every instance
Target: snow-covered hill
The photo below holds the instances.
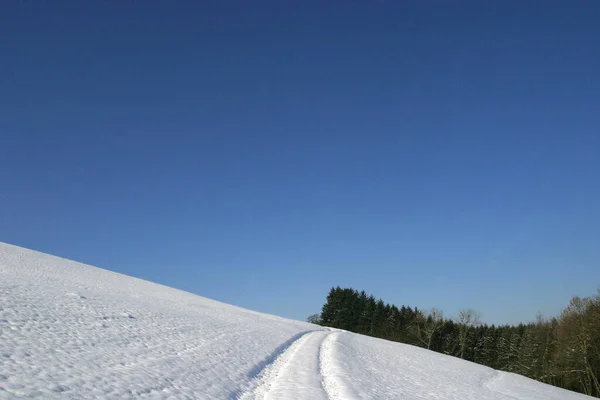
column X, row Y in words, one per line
column 69, row 330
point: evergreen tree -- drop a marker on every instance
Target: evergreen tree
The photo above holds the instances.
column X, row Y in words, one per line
column 564, row 352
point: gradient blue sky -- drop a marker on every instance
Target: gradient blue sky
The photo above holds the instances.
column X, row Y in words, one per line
column 433, row 153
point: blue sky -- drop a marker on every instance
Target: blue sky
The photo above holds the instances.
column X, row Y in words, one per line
column 433, row 153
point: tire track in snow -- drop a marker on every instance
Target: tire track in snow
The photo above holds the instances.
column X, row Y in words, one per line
column 300, row 376
column 334, row 380
column 304, row 367
column 266, row 370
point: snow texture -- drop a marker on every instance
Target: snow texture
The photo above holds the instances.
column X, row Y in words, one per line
column 73, row 331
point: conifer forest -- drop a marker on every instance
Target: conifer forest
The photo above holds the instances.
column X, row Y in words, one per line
column 563, row 351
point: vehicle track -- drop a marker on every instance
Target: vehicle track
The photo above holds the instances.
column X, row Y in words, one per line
column 334, row 378
column 295, row 372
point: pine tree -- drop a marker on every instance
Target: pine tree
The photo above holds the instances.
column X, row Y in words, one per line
column 331, row 307
column 563, row 352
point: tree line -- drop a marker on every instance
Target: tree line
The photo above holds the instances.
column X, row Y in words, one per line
column 562, row 351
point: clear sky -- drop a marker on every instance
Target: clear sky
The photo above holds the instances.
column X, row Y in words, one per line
column 433, row 153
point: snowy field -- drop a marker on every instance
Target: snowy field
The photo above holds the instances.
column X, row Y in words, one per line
column 73, row 331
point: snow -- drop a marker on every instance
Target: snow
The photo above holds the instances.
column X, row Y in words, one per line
column 73, row 331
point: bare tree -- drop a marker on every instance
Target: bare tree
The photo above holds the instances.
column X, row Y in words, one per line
column 428, row 324
column 577, row 335
column 314, row 319
column 467, row 318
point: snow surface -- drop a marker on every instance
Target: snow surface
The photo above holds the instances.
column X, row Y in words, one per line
column 73, row 331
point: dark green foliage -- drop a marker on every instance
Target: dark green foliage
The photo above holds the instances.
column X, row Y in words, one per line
column 563, row 352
